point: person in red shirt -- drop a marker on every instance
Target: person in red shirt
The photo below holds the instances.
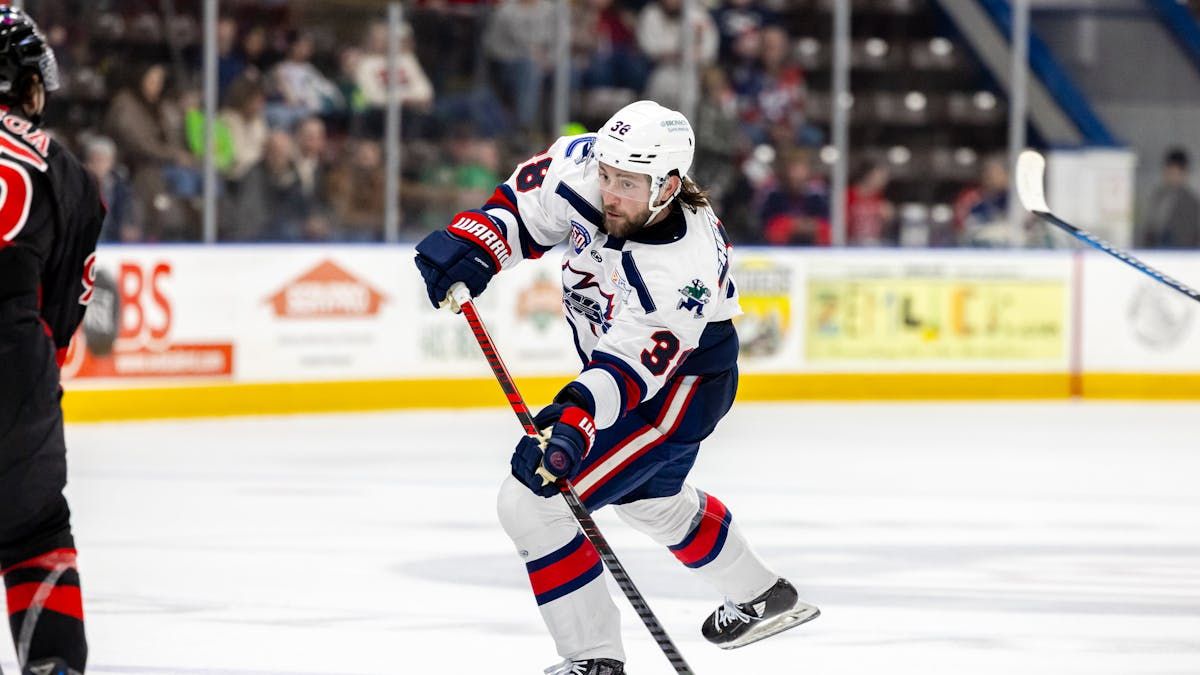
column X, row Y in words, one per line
column 868, row 213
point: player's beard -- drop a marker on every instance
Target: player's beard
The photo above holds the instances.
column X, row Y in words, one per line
column 624, row 226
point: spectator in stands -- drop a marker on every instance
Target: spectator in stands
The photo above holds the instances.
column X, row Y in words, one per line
column 149, row 131
column 121, row 222
column 356, row 190
column 253, row 49
column 312, row 161
column 270, row 204
column 462, row 176
column 796, row 211
column 869, row 215
column 230, row 63
column 736, row 18
column 346, row 81
column 299, row 89
column 192, row 104
column 456, row 22
column 244, row 117
column 981, row 213
column 773, row 94
column 1172, row 217
column 744, row 60
column 718, row 138
column 478, row 171
column 519, row 38
column 371, row 81
column 660, row 35
column 605, row 47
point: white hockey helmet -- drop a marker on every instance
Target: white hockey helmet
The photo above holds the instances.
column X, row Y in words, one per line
column 644, row 137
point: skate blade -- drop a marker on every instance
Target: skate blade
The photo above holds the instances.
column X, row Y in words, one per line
column 775, row 626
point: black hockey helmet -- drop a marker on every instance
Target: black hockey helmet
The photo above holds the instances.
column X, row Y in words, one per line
column 23, row 49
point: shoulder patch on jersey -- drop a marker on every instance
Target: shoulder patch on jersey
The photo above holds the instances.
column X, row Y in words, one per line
column 584, row 143
column 695, row 296
column 580, row 238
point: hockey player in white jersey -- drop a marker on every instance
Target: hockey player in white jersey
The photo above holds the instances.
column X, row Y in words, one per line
column 650, row 301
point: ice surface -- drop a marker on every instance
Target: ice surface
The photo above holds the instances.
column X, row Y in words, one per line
column 955, row 538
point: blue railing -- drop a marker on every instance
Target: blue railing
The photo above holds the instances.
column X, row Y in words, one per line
column 1054, row 77
column 1177, row 19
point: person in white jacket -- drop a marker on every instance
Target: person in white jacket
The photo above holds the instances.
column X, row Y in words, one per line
column 660, row 35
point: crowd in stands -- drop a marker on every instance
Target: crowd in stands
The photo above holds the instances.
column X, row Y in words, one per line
column 301, row 116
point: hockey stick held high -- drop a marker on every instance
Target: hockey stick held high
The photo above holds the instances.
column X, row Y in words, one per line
column 1031, row 172
column 459, row 300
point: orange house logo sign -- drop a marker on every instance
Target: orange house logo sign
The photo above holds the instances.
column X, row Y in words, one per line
column 326, row 291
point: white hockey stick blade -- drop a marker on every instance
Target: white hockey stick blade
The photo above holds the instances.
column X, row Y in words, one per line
column 1031, row 176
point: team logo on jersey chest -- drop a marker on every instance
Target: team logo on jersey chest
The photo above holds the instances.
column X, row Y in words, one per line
column 580, row 239
column 583, row 297
column 695, row 297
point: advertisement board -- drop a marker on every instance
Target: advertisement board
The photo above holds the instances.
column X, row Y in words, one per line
column 305, row 321
column 149, row 318
column 929, row 312
column 1132, row 323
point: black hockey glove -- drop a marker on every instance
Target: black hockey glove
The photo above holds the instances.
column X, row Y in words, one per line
column 472, row 250
column 572, row 433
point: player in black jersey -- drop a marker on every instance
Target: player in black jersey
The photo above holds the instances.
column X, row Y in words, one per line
column 50, row 218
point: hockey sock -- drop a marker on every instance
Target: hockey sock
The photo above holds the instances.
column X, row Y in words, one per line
column 700, row 532
column 565, row 574
column 45, row 608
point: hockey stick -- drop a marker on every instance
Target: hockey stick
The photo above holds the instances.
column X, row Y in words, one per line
column 1031, row 170
column 459, row 299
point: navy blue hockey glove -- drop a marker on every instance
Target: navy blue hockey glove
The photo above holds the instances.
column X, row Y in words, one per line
column 572, row 433
column 472, row 250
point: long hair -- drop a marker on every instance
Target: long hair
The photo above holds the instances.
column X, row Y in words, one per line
column 691, row 195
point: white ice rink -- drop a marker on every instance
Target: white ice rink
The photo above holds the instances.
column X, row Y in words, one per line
column 963, row 539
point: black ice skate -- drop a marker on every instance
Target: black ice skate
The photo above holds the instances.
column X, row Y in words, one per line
column 589, row 667
column 775, row 611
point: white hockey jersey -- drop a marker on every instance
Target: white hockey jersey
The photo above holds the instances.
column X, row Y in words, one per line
column 641, row 309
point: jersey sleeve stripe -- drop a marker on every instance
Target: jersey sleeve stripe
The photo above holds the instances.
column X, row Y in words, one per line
column 635, row 280
column 633, row 387
column 603, row 392
column 504, row 199
column 583, row 206
column 623, row 388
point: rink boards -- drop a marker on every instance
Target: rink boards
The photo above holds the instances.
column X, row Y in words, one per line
column 181, row 331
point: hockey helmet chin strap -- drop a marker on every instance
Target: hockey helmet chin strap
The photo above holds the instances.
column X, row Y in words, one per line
column 655, row 210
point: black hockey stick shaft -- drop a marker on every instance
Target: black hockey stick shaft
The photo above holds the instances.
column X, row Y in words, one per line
column 590, row 530
column 1127, row 258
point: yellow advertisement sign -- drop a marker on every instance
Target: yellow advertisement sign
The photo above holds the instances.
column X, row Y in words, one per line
column 765, row 293
column 936, row 319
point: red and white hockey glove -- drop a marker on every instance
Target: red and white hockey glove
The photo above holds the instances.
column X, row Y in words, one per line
column 471, row 250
